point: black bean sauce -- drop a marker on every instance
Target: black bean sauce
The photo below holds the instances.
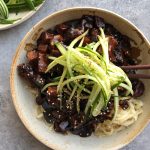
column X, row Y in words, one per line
column 67, row 118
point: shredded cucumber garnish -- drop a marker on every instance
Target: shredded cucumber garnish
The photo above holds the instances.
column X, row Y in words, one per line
column 85, row 70
column 48, row 85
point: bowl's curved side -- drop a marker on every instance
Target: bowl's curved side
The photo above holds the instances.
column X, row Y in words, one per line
column 25, row 107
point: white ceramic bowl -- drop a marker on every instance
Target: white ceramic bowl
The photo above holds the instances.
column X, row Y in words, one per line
column 24, row 101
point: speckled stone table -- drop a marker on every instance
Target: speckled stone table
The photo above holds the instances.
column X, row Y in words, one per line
column 13, row 135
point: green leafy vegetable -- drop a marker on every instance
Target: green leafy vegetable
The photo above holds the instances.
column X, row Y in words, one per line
column 16, row 6
column 30, row 4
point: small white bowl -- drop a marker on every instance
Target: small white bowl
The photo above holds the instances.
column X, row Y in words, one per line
column 25, row 104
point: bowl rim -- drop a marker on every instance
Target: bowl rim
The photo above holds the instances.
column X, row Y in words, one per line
column 16, row 56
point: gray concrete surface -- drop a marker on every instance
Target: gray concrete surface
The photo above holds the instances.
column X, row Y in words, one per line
column 13, row 135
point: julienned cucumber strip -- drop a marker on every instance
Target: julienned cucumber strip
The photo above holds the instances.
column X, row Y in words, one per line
column 93, row 96
column 99, row 104
column 77, row 39
column 116, row 102
column 48, row 85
